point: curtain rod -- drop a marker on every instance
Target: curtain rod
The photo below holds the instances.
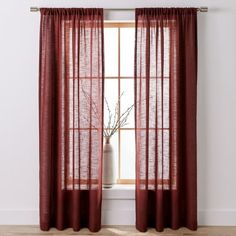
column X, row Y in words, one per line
column 200, row 9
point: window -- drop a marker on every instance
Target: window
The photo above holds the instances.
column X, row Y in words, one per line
column 119, row 41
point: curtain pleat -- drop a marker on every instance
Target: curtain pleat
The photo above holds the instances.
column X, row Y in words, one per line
column 165, row 117
column 71, row 89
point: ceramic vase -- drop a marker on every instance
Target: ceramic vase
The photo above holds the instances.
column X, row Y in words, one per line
column 108, row 177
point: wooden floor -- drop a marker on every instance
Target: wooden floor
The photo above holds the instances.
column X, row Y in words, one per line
column 116, row 231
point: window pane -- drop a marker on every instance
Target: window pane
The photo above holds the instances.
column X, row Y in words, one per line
column 166, row 52
column 163, row 154
column 158, row 103
column 127, row 154
column 127, row 99
column 156, row 55
column 111, row 51
column 127, row 51
column 111, row 95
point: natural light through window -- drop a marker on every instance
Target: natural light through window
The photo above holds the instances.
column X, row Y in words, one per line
column 119, row 72
column 119, row 40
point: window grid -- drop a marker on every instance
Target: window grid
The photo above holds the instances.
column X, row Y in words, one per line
column 119, row 78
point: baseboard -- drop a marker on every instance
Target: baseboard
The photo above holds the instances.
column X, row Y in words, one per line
column 119, row 217
column 224, row 217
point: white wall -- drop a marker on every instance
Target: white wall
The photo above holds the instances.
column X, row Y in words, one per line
column 19, row 108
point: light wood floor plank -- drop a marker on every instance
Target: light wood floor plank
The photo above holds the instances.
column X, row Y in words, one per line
column 116, row 231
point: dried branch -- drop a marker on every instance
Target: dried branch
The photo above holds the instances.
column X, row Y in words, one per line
column 122, row 121
column 116, row 115
column 110, row 116
column 91, row 103
column 115, row 120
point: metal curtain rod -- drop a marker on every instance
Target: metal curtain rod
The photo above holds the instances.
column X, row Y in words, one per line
column 200, row 9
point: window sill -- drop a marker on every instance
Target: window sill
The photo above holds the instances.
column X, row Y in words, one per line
column 119, row 192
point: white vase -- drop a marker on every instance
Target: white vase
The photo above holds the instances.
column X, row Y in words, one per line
column 108, row 176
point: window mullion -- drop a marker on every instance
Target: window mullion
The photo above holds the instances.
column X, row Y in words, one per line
column 119, row 141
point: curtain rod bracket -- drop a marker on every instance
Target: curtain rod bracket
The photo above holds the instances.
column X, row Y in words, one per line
column 200, row 9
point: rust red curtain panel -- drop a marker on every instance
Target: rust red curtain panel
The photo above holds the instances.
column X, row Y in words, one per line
column 71, row 118
column 165, row 118
column 71, row 93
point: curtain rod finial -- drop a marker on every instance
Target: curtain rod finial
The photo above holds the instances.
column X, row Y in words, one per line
column 34, row 9
column 203, row 9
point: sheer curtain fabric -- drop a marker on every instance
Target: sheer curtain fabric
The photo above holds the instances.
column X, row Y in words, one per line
column 71, row 118
column 165, row 117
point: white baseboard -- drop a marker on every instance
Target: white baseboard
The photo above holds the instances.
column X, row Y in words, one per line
column 119, row 217
column 224, row 217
